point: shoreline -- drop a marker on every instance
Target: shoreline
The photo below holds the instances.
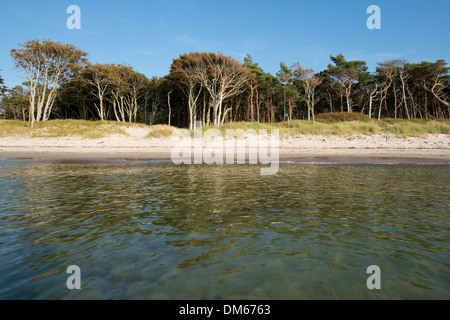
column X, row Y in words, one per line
column 302, row 149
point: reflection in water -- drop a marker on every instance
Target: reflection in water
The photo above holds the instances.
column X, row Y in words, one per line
column 158, row 231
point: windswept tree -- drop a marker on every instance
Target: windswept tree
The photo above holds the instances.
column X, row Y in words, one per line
column 126, row 92
column 347, row 74
column 394, row 72
column 185, row 72
column 431, row 85
column 372, row 90
column 309, row 82
column 46, row 65
column 100, row 79
column 437, row 81
column 223, row 77
column 386, row 73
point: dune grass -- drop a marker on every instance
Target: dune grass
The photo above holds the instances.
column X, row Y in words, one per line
column 161, row 131
column 399, row 128
column 415, row 128
column 62, row 128
column 245, row 126
column 326, row 126
column 342, row 117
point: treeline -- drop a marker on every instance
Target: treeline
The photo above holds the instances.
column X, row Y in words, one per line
column 60, row 83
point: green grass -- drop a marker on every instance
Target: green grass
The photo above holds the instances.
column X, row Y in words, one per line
column 14, row 128
column 342, row 117
column 400, row 128
column 415, row 128
column 161, row 131
column 242, row 126
column 98, row 129
column 62, row 128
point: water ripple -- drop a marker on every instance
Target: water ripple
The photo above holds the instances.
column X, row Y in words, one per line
column 157, row 231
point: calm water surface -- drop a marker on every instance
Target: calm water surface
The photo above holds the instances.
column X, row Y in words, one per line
column 159, row 231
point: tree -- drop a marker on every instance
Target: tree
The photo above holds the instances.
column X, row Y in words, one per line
column 2, row 91
column 372, row 90
column 386, row 72
column 168, row 86
column 263, row 94
column 438, row 80
column 15, row 103
column 214, row 89
column 2, row 86
column 400, row 67
column 431, row 81
column 222, row 77
column 347, row 73
column 329, row 89
column 309, row 82
column 185, row 72
column 46, row 65
column 257, row 78
column 285, row 76
column 126, row 91
column 153, row 97
column 99, row 76
column 75, row 99
column 273, row 93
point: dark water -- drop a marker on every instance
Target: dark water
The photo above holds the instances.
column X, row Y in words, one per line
column 158, row 231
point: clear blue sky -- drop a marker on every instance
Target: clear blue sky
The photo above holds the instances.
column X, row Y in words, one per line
column 149, row 34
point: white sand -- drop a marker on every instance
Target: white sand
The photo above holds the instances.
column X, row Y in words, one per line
column 137, row 146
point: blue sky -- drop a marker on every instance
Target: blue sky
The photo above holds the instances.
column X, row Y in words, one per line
column 149, row 34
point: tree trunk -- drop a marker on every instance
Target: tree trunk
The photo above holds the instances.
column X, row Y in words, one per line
column 31, row 116
column 347, row 94
column 395, row 102
column 290, row 113
column 404, row 97
column 284, row 105
column 258, row 105
column 252, row 112
column 331, row 101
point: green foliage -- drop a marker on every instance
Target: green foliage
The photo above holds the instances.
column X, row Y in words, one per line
column 2, row 86
column 211, row 87
column 285, row 74
column 16, row 103
column 46, row 65
column 342, row 65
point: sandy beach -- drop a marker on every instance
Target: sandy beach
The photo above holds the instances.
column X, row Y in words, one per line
column 310, row 148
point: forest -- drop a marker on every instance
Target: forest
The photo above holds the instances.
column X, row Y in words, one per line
column 61, row 83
